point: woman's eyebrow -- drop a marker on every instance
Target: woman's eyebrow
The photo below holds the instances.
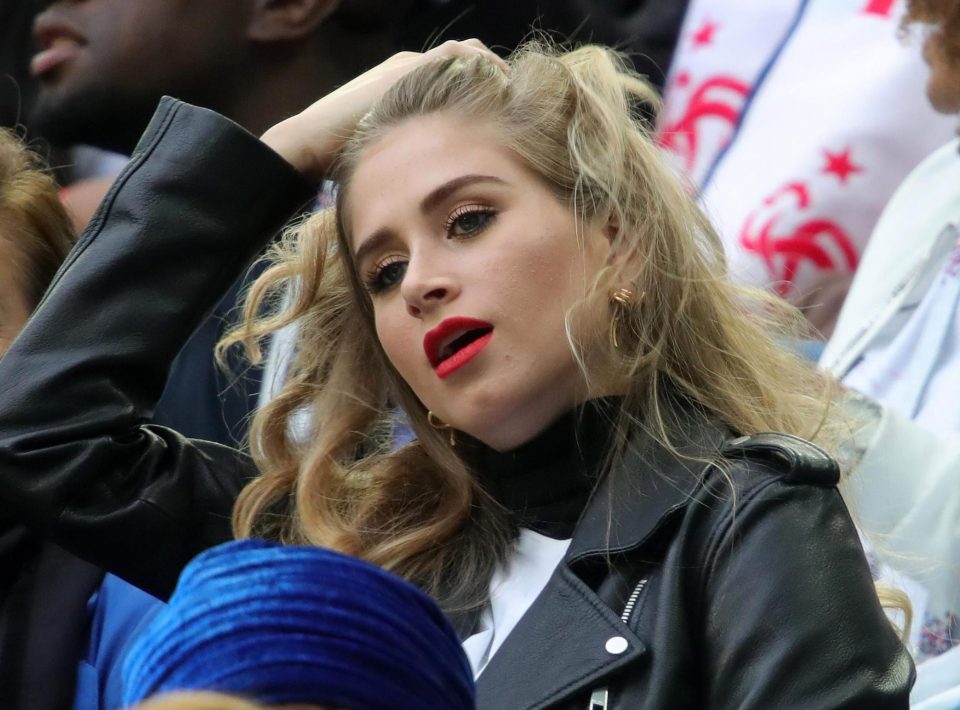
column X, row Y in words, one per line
column 372, row 243
column 439, row 194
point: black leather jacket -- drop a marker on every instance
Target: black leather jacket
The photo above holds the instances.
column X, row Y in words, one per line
column 677, row 593
column 78, row 456
column 674, row 593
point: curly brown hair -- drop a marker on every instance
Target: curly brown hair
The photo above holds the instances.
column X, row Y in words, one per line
column 944, row 15
column 32, row 219
column 35, row 231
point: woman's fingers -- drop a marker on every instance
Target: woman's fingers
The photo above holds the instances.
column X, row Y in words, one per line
column 468, row 48
column 310, row 139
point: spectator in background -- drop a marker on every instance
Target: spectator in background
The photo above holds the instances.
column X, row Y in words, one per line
column 306, row 625
column 202, row 700
column 897, row 341
column 16, row 87
column 43, row 590
column 35, row 235
column 795, row 120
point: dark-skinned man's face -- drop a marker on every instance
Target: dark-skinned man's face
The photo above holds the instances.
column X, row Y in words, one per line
column 104, row 64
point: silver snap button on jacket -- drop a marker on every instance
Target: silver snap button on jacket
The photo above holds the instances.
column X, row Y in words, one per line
column 616, row 645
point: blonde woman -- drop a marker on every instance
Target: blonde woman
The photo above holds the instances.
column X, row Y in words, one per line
column 590, row 493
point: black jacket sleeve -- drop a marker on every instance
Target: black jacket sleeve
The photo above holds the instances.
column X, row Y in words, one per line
column 79, row 458
column 791, row 618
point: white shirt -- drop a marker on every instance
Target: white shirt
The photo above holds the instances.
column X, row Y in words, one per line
column 513, row 589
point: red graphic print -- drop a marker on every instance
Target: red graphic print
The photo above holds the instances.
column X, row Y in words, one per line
column 884, row 8
column 719, row 98
column 841, row 165
column 704, row 36
column 939, row 634
column 818, row 241
column 953, row 264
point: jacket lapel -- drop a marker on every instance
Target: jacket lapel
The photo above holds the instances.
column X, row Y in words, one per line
column 560, row 646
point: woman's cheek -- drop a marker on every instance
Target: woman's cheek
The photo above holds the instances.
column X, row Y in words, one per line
column 393, row 339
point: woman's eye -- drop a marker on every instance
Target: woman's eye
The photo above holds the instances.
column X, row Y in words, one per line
column 386, row 274
column 469, row 220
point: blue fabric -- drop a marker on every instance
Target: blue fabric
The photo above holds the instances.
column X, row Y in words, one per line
column 284, row 625
column 808, row 349
column 200, row 400
column 119, row 611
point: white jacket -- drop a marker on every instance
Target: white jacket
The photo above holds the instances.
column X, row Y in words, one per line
column 906, row 490
column 905, row 253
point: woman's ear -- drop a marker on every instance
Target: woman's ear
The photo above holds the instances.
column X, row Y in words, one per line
column 611, row 229
column 286, row 20
column 611, row 232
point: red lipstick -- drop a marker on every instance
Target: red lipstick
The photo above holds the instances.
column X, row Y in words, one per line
column 455, row 342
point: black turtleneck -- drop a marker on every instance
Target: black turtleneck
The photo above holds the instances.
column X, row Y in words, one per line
column 546, row 482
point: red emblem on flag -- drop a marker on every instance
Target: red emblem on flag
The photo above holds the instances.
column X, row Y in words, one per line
column 818, row 241
column 883, row 8
column 703, row 37
column 718, row 98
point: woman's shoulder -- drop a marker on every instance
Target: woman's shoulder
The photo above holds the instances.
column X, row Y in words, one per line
column 768, row 483
column 784, row 456
column 767, row 476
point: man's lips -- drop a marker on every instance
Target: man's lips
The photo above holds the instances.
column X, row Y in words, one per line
column 455, row 342
column 59, row 43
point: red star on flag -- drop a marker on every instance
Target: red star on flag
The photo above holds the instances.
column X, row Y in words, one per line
column 704, row 36
column 883, row 8
column 841, row 165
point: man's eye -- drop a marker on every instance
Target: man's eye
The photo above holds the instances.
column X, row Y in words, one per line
column 469, row 220
column 386, row 274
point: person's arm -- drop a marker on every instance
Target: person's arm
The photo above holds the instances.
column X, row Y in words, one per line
column 199, row 198
column 78, row 457
column 790, row 615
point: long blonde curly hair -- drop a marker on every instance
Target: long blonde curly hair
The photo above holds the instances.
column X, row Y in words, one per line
column 693, row 339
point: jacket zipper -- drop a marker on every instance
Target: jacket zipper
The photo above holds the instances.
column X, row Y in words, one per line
column 632, row 601
column 600, row 697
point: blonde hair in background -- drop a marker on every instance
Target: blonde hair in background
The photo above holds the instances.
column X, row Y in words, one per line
column 35, row 234
column 689, row 340
column 33, row 222
column 202, row 700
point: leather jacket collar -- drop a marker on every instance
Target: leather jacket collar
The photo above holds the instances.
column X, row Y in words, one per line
column 643, row 490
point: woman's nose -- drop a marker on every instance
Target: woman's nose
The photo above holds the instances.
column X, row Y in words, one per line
column 426, row 286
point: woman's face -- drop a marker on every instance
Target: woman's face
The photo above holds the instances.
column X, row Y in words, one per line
column 472, row 264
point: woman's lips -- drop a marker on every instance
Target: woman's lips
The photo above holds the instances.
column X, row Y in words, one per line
column 455, row 342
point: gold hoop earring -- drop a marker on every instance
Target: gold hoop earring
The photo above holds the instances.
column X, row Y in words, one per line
column 440, row 425
column 622, row 299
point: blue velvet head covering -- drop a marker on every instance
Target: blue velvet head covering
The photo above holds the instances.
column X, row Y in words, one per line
column 282, row 624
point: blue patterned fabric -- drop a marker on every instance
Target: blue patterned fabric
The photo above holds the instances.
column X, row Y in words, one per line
column 283, row 624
